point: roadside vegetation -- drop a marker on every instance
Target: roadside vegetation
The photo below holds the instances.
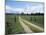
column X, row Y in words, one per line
column 35, row 19
column 12, row 24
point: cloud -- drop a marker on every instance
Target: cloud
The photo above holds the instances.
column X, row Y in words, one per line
column 37, row 9
column 27, row 9
column 16, row 10
column 8, row 9
column 13, row 10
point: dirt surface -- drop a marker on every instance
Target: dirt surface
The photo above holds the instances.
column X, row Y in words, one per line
column 26, row 28
column 32, row 25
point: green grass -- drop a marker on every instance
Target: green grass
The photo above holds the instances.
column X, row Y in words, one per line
column 37, row 19
column 12, row 24
column 18, row 26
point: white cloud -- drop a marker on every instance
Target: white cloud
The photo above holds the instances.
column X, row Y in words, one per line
column 29, row 9
column 8, row 9
column 13, row 10
column 37, row 9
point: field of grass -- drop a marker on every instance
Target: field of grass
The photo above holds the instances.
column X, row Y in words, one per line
column 12, row 24
column 37, row 19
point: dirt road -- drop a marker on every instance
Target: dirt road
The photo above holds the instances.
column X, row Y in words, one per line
column 25, row 27
column 31, row 25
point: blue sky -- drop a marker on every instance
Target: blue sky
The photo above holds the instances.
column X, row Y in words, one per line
column 14, row 6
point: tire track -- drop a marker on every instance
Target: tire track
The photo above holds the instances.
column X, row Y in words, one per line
column 33, row 25
column 26, row 28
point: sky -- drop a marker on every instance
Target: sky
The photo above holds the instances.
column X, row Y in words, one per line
column 15, row 6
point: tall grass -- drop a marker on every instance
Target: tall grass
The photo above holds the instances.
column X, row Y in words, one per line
column 12, row 24
column 37, row 19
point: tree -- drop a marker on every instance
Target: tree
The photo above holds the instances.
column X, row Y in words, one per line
column 22, row 13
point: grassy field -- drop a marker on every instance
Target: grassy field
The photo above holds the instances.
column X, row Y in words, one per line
column 37, row 19
column 13, row 24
